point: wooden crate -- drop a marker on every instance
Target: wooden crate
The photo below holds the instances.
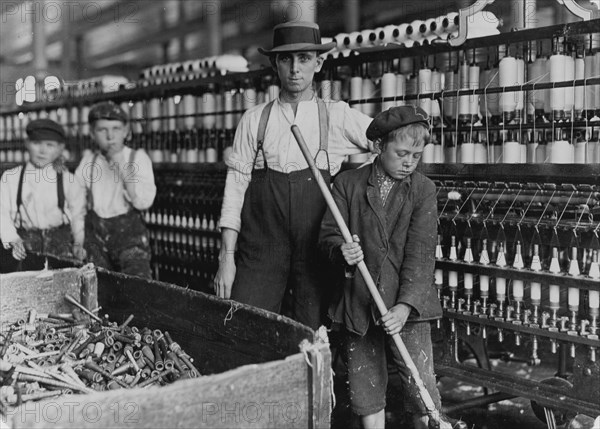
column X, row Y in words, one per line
column 254, row 372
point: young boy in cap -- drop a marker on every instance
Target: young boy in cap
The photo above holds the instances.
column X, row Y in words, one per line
column 393, row 209
column 272, row 208
column 120, row 183
column 42, row 206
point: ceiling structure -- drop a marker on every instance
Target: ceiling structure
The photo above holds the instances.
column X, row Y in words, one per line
column 86, row 38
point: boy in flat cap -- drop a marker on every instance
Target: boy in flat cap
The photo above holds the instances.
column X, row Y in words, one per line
column 42, row 206
column 272, row 208
column 392, row 208
column 120, row 184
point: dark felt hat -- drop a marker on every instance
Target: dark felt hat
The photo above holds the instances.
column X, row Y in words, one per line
column 393, row 118
column 107, row 110
column 297, row 36
column 45, row 129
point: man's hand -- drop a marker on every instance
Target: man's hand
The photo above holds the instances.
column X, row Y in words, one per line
column 225, row 275
column 393, row 321
column 352, row 252
column 18, row 250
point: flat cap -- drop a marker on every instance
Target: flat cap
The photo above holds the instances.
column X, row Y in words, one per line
column 394, row 118
column 107, row 110
column 45, row 129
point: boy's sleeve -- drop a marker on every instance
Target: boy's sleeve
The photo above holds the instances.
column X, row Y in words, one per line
column 416, row 273
column 76, row 198
column 8, row 232
column 330, row 236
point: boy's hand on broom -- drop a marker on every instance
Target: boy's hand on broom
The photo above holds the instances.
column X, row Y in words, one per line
column 393, row 321
column 352, row 252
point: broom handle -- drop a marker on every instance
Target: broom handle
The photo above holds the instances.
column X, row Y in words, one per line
column 364, row 271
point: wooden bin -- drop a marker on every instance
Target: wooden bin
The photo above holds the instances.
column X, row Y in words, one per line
column 254, row 374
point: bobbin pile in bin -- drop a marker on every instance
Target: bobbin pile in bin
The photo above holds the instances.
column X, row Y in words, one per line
column 230, row 365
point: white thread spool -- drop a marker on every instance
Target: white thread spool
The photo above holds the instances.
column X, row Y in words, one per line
column 85, row 126
column 596, row 73
column 171, row 113
column 388, row 89
column 480, row 153
column 557, row 74
column 436, row 86
column 137, row 117
column 198, row 120
column 188, row 107
column 400, row 88
column 411, row 88
column 578, row 96
column 590, row 90
column 464, row 107
column 424, row 87
column 325, row 87
column 368, row 91
column 356, row 91
column 369, row 38
column 336, row 90
column 520, row 81
column 228, row 107
column 354, row 40
column 508, row 77
column 474, row 84
column 493, row 100
column 390, row 34
column 467, row 153
column 580, row 149
column 405, row 32
column 154, row 114
column 562, row 152
column 511, row 152
column 569, row 91
column 419, row 30
column 535, row 70
column 272, row 92
column 220, row 107
column 209, row 107
column 450, row 84
column 428, row 156
column 73, row 120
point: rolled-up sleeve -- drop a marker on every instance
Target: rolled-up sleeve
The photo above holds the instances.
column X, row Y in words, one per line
column 416, row 273
column 239, row 172
column 75, row 193
column 8, row 232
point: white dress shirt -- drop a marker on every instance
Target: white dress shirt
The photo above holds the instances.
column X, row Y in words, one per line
column 40, row 202
column 108, row 190
column 347, row 129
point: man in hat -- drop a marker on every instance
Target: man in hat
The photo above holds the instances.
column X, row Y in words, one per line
column 120, row 184
column 42, row 206
column 393, row 209
column 272, row 207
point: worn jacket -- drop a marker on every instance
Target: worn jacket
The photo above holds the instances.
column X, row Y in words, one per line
column 398, row 243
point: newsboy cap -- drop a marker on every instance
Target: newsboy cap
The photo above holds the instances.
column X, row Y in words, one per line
column 107, row 110
column 393, row 118
column 297, row 36
column 45, row 129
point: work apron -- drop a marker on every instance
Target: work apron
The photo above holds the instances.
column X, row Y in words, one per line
column 277, row 244
column 120, row 243
column 57, row 241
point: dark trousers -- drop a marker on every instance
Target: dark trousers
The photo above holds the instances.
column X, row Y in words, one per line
column 120, row 243
column 277, row 245
column 57, row 243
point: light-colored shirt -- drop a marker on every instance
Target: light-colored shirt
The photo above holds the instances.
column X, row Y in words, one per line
column 346, row 136
column 110, row 198
column 40, row 202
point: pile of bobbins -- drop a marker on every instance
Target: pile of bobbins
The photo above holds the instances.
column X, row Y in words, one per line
column 48, row 355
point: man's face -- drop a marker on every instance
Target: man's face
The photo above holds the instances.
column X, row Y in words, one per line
column 110, row 136
column 400, row 157
column 44, row 152
column 296, row 70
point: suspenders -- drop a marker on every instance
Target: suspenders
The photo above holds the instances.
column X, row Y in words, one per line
column 60, row 190
column 323, row 130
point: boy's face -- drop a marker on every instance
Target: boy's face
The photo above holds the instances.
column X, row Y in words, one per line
column 44, row 152
column 400, row 157
column 296, row 70
column 110, row 136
